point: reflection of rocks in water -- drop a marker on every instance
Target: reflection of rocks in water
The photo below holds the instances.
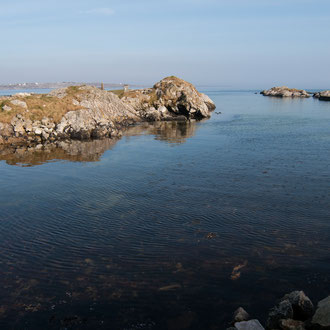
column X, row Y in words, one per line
column 91, row 151
column 170, row 131
column 74, row 151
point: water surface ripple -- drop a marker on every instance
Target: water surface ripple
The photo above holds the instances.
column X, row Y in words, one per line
column 144, row 232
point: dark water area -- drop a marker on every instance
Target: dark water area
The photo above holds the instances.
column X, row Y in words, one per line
column 172, row 227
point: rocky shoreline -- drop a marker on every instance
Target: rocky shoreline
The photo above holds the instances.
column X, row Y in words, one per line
column 294, row 311
column 87, row 112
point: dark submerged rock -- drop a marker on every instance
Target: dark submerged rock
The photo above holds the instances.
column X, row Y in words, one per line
column 302, row 306
column 281, row 311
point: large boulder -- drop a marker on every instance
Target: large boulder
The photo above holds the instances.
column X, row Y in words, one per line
column 171, row 97
column 321, row 318
column 285, row 92
column 302, row 306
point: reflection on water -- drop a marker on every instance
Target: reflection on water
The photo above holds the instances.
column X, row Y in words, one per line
column 233, row 211
column 91, row 151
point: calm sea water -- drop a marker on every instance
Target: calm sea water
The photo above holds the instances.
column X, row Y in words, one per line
column 172, row 227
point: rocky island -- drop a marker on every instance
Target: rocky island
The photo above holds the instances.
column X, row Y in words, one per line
column 285, row 92
column 322, row 96
column 87, row 112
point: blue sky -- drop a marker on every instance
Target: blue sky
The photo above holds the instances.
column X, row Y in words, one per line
column 226, row 43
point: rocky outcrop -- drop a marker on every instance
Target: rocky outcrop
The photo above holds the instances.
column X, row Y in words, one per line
column 171, row 98
column 323, row 96
column 285, row 92
column 295, row 311
column 86, row 112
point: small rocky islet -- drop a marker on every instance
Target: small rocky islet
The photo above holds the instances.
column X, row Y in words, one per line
column 285, row 92
column 294, row 93
column 294, row 311
column 87, row 112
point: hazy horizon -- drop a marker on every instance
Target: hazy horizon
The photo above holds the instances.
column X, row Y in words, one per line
column 232, row 44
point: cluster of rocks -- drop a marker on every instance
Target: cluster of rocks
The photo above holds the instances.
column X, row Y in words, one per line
column 101, row 113
column 295, row 311
column 323, row 96
column 285, row 92
column 171, row 98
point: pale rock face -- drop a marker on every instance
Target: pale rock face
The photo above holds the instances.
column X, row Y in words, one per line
column 99, row 108
column 321, row 317
column 19, row 103
column 6, row 108
column 179, row 97
column 249, row 325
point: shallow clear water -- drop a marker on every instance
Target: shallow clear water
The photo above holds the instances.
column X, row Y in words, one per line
column 172, row 227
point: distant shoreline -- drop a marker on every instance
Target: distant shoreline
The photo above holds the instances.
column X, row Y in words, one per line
column 20, row 86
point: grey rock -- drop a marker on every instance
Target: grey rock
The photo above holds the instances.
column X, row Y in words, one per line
column 59, row 93
column 321, row 318
column 38, row 131
column 249, row 325
column 282, row 311
column 302, row 306
column 19, row 103
column 6, row 108
column 28, row 126
column 6, row 130
column 241, row 315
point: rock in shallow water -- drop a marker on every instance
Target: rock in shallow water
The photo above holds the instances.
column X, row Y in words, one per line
column 321, row 318
column 323, row 96
column 249, row 325
column 241, row 315
column 302, row 306
column 290, row 324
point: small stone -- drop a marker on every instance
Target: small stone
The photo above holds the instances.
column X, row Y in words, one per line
column 6, row 108
column 321, row 317
column 241, row 315
column 290, row 324
column 38, row 131
column 249, row 325
column 45, row 121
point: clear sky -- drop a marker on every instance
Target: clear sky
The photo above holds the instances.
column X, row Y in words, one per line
column 228, row 43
